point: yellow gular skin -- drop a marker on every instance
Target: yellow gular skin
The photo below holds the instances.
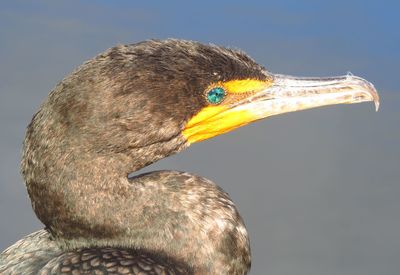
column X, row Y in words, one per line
column 216, row 120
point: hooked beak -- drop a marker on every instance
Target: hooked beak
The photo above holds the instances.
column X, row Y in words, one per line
column 289, row 94
column 279, row 94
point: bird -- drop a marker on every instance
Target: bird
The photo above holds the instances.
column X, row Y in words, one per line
column 124, row 109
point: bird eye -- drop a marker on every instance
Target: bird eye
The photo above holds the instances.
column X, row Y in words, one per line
column 216, row 95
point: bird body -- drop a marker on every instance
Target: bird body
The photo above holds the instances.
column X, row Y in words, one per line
column 123, row 110
column 39, row 253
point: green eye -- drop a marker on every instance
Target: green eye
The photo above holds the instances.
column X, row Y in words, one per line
column 216, row 95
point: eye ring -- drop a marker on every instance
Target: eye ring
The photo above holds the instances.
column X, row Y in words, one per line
column 216, row 95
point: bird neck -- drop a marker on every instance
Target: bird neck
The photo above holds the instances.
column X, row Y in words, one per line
column 78, row 191
column 85, row 199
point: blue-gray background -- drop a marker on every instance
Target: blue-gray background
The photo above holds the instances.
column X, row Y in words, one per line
column 319, row 190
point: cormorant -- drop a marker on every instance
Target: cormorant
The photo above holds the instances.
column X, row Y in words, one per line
column 127, row 108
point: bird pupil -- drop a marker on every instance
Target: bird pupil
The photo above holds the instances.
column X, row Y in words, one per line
column 216, row 95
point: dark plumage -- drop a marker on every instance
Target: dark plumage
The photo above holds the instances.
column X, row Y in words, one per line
column 38, row 253
column 115, row 114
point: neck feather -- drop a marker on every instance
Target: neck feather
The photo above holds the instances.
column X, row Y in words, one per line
column 86, row 199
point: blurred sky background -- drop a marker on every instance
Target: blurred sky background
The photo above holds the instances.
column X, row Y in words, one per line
column 318, row 190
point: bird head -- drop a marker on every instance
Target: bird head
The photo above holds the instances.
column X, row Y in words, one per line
column 176, row 93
